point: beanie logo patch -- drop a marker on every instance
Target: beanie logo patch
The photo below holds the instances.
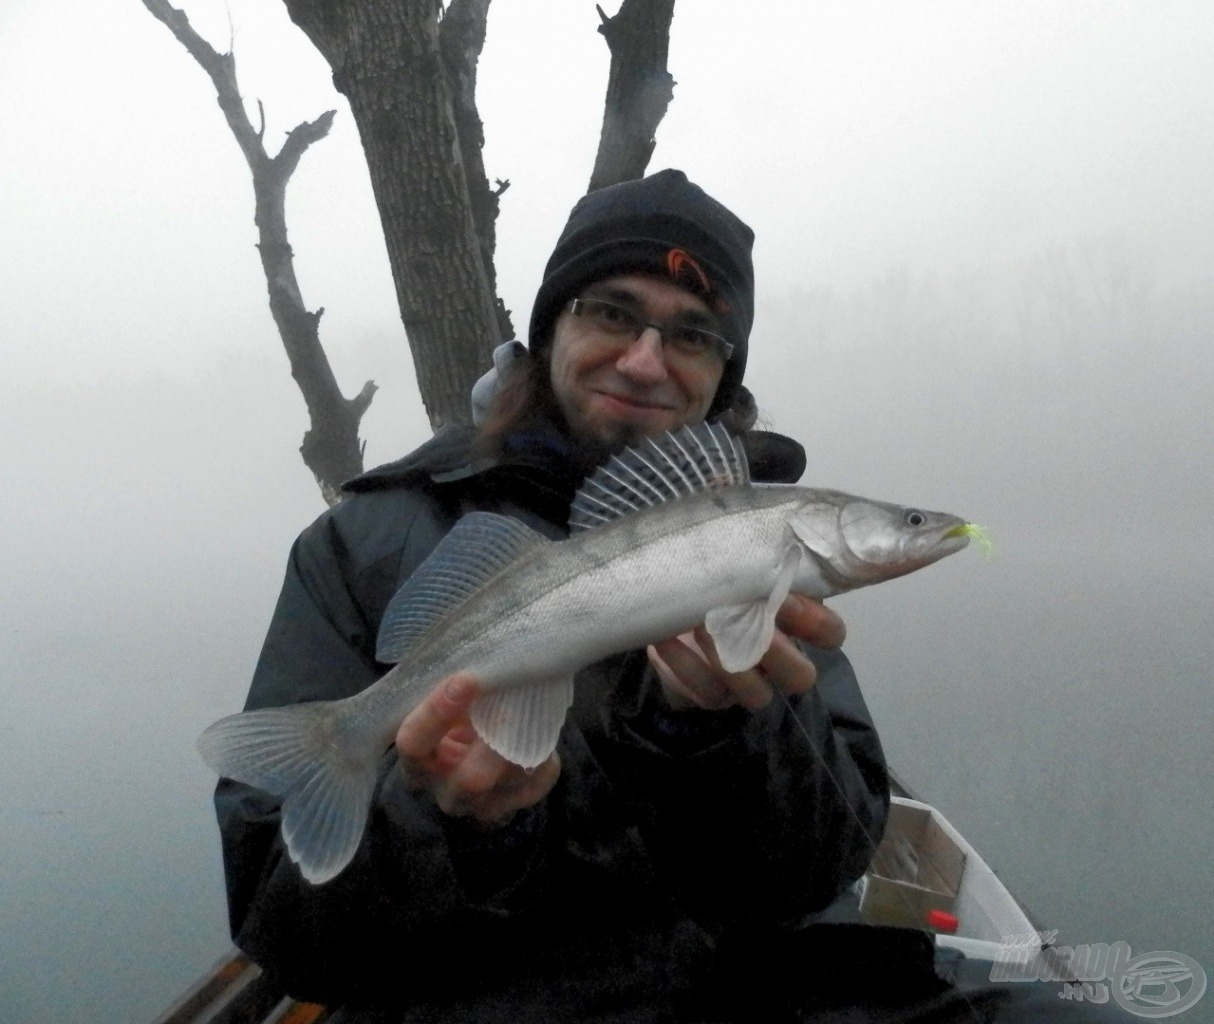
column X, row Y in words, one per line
column 684, row 270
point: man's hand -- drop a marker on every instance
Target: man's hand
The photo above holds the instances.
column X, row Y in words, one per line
column 692, row 676
column 441, row 753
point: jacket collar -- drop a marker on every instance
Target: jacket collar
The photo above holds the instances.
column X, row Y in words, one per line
column 545, row 451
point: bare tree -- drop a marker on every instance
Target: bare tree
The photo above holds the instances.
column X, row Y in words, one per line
column 408, row 70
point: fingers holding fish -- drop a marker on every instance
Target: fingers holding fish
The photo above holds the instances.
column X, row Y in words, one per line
column 783, row 666
column 490, row 789
column 441, row 753
column 434, row 735
column 749, row 688
column 453, row 747
column 692, row 676
column 687, row 679
column 811, row 621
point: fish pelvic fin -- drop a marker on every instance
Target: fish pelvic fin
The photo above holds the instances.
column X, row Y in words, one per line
column 742, row 633
column 694, row 459
column 478, row 547
column 324, row 773
column 524, row 723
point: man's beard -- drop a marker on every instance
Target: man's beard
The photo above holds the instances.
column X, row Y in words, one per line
column 592, row 451
column 594, row 444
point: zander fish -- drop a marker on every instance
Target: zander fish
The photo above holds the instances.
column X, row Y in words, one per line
column 664, row 537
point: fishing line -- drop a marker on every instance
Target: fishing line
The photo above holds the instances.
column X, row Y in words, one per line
column 864, row 829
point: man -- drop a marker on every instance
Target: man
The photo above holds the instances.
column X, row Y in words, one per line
column 668, row 861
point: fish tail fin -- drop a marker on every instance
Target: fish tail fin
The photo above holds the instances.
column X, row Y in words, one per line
column 324, row 771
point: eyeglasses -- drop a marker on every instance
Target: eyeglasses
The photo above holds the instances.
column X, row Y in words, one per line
column 622, row 322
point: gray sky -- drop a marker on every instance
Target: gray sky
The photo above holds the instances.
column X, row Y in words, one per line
column 985, row 239
column 853, row 137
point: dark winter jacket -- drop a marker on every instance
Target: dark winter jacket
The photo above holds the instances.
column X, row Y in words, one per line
column 668, row 838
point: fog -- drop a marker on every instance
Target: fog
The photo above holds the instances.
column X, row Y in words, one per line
column 985, row 240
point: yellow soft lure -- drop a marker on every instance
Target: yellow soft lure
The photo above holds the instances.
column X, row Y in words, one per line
column 980, row 536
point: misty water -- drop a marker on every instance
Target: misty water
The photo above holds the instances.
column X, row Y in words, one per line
column 1054, row 701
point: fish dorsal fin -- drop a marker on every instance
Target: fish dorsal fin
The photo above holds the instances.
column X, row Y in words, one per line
column 693, row 459
column 477, row 548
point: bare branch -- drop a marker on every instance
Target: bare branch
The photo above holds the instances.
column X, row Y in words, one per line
column 639, row 88
column 221, row 67
column 331, row 447
column 362, row 401
column 299, row 139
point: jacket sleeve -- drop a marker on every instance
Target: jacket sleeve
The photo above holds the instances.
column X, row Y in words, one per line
column 756, row 819
column 402, row 898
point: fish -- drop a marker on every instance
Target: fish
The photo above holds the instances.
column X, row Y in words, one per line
column 666, row 536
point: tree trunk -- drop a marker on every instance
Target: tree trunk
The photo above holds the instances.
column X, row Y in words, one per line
column 462, row 37
column 388, row 60
column 639, row 89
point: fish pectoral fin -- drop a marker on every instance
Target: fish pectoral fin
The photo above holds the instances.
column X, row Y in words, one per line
column 818, row 533
column 524, row 723
column 742, row 632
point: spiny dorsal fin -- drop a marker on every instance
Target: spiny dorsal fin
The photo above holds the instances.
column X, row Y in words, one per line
column 693, row 459
column 476, row 549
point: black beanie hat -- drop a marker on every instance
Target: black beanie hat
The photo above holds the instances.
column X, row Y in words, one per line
column 644, row 225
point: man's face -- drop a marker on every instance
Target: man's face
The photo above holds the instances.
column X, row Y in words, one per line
column 614, row 389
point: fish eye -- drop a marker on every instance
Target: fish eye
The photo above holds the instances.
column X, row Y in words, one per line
column 913, row 517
